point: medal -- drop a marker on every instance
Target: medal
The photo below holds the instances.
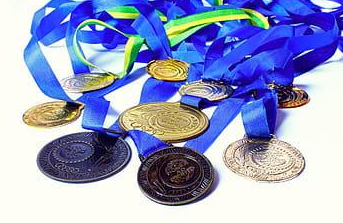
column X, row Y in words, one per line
column 245, row 58
column 87, row 82
column 212, row 91
column 264, row 160
column 175, row 175
column 52, row 114
column 168, row 70
column 169, row 175
column 290, row 96
column 83, row 157
column 172, row 122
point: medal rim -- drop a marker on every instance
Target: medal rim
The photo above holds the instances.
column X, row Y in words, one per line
column 198, row 197
column 80, row 181
column 231, row 146
column 201, row 131
column 159, row 77
column 94, row 88
column 28, row 113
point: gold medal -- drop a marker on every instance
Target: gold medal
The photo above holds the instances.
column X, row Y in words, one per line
column 290, row 96
column 172, row 122
column 264, row 160
column 52, row 114
column 87, row 82
column 212, row 91
column 168, row 70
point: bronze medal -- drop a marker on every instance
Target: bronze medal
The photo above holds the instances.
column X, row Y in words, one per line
column 264, row 160
column 172, row 122
column 212, row 91
column 290, row 96
column 175, row 176
column 52, row 114
column 168, row 70
column 87, row 82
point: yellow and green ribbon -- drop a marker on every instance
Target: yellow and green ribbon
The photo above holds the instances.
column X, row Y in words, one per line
column 177, row 30
column 132, row 47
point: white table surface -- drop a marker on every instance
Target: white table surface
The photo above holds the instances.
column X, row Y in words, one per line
column 26, row 195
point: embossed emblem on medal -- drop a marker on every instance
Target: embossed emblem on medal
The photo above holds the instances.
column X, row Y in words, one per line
column 290, row 96
column 52, row 114
column 264, row 160
column 168, row 70
column 175, row 176
column 172, row 122
column 87, row 82
column 212, row 91
column 83, row 157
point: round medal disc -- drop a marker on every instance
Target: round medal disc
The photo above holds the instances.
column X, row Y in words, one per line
column 168, row 70
column 264, row 160
column 83, row 157
column 175, row 176
column 290, row 96
column 172, row 122
column 212, row 91
column 87, row 82
column 52, row 114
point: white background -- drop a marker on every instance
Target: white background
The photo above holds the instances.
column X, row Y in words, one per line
column 28, row 196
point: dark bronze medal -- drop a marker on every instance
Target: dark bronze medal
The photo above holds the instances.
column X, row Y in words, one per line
column 290, row 96
column 83, row 157
column 175, row 176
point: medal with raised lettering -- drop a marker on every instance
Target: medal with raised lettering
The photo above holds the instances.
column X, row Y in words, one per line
column 168, row 70
column 87, row 82
column 83, row 157
column 267, row 160
column 168, row 175
column 172, row 122
column 212, row 91
column 259, row 155
column 52, row 114
column 175, row 175
column 290, row 96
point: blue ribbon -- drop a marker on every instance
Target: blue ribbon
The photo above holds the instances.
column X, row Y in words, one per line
column 225, row 112
column 266, row 56
column 42, row 72
column 244, row 56
column 259, row 116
